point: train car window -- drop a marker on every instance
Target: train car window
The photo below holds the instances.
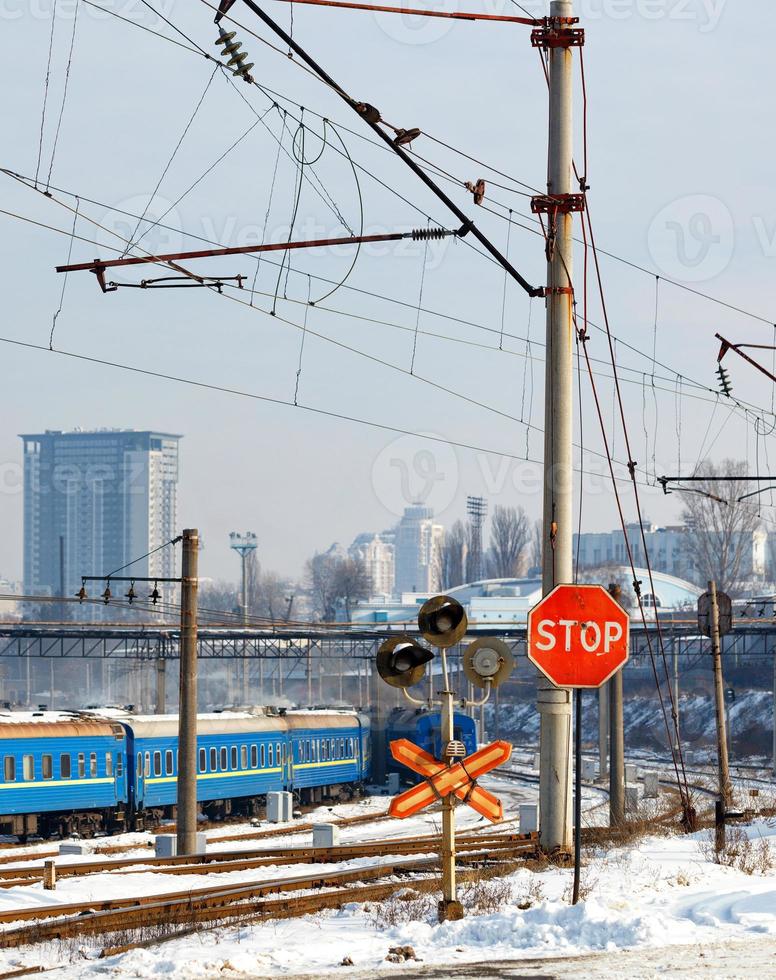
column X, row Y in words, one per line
column 243, row 756
column 233, row 754
column 147, row 769
column 64, row 765
column 271, row 754
column 157, row 763
column 202, row 760
column 47, row 766
column 263, row 757
column 119, row 764
column 254, row 757
column 10, row 769
column 168, row 762
column 224, row 759
column 108, row 764
column 139, row 766
column 81, row 765
column 277, row 753
column 214, row 760
column 92, row 764
column 285, row 753
column 28, row 767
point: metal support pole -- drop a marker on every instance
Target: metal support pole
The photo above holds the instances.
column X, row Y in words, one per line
column 774, row 712
column 187, row 709
column 161, row 678
column 617, row 753
column 577, row 793
column 676, row 691
column 554, row 704
column 245, row 679
column 449, row 908
column 603, row 732
column 725, row 789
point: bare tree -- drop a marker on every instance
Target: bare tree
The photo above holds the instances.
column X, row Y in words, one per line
column 334, row 580
column 510, row 534
column 719, row 529
column 451, row 557
column 608, row 573
column 536, row 545
column 219, row 601
column 352, row 582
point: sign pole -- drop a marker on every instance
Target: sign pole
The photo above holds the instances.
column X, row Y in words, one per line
column 449, row 908
column 577, row 791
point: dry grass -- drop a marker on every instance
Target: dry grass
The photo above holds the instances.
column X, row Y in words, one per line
column 739, row 851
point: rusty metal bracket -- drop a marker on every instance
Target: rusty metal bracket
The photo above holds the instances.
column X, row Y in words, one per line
column 557, row 203
column 558, row 291
column 554, row 34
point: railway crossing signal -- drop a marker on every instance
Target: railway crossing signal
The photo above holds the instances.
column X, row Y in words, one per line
column 401, row 662
column 440, row 780
column 578, row 636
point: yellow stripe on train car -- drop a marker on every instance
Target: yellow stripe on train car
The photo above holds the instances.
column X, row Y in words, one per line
column 44, row 784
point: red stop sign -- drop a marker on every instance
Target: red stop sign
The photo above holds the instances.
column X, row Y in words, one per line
column 578, row 635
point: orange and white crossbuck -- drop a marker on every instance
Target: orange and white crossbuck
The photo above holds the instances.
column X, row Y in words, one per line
column 440, row 779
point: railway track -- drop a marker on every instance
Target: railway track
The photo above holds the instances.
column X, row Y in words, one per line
column 238, row 902
column 8, row 857
column 227, row 861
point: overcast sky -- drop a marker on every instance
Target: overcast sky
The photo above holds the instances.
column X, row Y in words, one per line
column 681, row 166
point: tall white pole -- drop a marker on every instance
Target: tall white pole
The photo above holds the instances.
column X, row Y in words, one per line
column 554, row 704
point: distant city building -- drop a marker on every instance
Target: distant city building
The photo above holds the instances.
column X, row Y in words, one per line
column 416, row 550
column 376, row 551
column 95, row 500
column 668, row 552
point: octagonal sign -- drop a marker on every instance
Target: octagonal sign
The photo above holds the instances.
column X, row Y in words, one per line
column 578, row 635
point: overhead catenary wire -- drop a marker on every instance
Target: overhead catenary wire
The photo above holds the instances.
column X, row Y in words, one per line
column 64, row 94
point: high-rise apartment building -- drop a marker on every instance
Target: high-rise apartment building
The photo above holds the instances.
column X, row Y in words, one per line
column 94, row 501
column 376, row 552
column 416, row 549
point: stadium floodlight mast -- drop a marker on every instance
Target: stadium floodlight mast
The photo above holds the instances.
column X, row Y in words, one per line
column 244, row 544
column 401, row 662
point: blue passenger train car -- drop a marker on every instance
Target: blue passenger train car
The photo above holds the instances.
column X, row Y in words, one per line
column 242, row 756
column 61, row 774
column 423, row 727
column 66, row 772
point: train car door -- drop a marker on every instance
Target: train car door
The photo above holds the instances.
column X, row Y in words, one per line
column 288, row 762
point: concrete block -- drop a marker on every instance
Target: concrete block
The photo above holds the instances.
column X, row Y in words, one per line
column 166, row 845
column 651, row 786
column 631, row 772
column 280, row 807
column 529, row 817
column 73, row 849
column 393, row 783
column 200, row 844
column 632, row 798
column 325, row 835
column 588, row 770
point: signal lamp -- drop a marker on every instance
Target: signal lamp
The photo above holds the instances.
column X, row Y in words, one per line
column 401, row 662
column 487, row 660
column 442, row 621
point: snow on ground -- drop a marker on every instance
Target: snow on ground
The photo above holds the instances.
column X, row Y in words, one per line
column 657, row 892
